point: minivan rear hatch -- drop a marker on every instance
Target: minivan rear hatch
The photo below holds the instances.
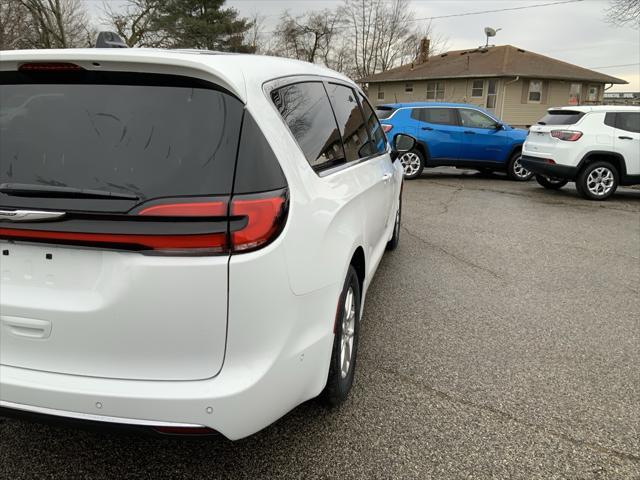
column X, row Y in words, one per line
column 128, row 276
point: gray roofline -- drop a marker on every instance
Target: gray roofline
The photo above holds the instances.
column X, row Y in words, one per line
column 511, row 75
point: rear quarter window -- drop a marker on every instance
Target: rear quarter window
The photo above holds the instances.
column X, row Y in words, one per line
column 307, row 112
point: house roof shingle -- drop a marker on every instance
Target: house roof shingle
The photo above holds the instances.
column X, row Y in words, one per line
column 500, row 61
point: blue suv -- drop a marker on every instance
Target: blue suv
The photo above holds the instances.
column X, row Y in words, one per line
column 454, row 134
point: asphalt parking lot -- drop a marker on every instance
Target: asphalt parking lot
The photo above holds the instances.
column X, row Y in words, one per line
column 501, row 340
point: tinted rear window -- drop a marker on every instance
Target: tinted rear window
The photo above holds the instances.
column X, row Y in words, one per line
column 384, row 112
column 561, row 117
column 149, row 135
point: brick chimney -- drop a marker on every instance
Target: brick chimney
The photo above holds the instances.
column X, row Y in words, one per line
column 423, row 52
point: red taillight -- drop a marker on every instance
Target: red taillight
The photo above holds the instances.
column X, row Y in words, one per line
column 566, row 135
column 197, row 209
column 550, row 161
column 386, row 128
column 264, row 218
column 49, row 67
column 213, row 242
column 254, row 221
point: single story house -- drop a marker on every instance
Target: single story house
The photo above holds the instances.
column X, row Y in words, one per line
column 516, row 85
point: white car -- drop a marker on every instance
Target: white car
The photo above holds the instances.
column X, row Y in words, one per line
column 597, row 147
column 187, row 238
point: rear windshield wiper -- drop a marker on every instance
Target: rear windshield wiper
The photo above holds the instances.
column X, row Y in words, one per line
column 27, row 190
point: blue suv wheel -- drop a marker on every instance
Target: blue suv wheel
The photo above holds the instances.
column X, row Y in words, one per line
column 413, row 163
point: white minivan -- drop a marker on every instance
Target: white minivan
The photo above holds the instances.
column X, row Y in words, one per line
column 186, row 238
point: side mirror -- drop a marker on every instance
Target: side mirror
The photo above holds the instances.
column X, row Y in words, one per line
column 401, row 144
column 500, row 126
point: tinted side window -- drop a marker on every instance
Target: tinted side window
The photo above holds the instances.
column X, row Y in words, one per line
column 475, row 119
column 440, row 116
column 629, row 121
column 610, row 119
column 416, row 113
column 375, row 130
column 350, row 121
column 306, row 110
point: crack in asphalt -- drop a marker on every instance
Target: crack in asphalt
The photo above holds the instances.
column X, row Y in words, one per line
column 496, row 411
column 447, row 203
column 452, row 255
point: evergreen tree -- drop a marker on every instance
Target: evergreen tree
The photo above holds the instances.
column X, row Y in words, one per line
column 202, row 24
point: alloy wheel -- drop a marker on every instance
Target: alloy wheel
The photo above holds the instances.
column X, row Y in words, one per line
column 600, row 181
column 519, row 170
column 348, row 331
column 410, row 163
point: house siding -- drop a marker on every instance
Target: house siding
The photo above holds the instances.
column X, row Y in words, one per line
column 517, row 113
column 455, row 90
column 511, row 100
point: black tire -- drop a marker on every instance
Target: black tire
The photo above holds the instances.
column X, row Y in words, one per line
column 395, row 239
column 551, row 183
column 606, row 179
column 338, row 386
column 416, row 171
column 515, row 169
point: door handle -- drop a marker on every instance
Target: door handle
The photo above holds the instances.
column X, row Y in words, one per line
column 469, row 132
column 427, row 128
column 625, row 138
column 386, row 177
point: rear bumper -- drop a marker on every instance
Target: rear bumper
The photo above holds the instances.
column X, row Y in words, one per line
column 278, row 350
column 237, row 403
column 540, row 166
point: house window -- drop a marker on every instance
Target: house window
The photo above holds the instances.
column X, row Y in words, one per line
column 435, row 91
column 535, row 91
column 380, row 93
column 593, row 93
column 574, row 94
column 408, row 88
column 477, row 88
column 492, row 93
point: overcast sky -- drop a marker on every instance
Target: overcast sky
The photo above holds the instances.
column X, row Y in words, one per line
column 574, row 32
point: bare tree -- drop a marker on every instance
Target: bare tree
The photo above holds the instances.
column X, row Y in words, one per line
column 15, row 31
column 307, row 37
column 57, row 23
column 378, row 31
column 256, row 36
column 624, row 12
column 134, row 22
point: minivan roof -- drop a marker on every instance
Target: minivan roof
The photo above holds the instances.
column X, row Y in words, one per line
column 234, row 71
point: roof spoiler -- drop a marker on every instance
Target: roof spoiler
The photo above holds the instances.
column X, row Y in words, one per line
column 110, row 40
